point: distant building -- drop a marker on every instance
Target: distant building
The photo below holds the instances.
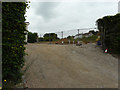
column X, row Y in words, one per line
column 119, row 7
column 27, row 23
column 83, row 35
column 87, row 34
column 78, row 36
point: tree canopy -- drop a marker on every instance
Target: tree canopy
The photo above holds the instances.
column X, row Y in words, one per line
column 50, row 37
column 32, row 37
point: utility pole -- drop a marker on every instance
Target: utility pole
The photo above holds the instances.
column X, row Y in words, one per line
column 62, row 34
column 62, row 38
column 49, row 38
column 40, row 37
column 37, row 38
column 78, row 36
column 78, row 33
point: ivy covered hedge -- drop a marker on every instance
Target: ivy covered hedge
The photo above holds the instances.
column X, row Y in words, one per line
column 109, row 27
column 13, row 36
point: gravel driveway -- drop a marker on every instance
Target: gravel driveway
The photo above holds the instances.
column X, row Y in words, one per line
column 69, row 66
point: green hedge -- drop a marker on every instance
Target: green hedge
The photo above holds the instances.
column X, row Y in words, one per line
column 109, row 27
column 13, row 36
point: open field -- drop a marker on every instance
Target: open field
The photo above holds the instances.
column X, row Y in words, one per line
column 69, row 66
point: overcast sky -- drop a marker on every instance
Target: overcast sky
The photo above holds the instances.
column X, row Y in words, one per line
column 63, row 16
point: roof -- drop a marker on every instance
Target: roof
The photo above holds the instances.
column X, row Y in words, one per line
column 86, row 33
column 78, row 34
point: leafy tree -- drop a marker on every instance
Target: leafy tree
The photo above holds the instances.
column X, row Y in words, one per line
column 32, row 37
column 93, row 32
column 41, row 39
column 50, row 37
column 70, row 37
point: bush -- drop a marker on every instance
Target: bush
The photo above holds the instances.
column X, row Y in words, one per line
column 13, row 36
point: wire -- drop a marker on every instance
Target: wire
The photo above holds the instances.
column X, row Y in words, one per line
column 73, row 30
column 68, row 31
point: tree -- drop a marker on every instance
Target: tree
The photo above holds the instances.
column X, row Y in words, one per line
column 70, row 37
column 32, row 37
column 50, row 37
column 41, row 39
column 93, row 32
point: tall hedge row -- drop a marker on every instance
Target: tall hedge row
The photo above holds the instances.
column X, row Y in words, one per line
column 109, row 27
column 13, row 36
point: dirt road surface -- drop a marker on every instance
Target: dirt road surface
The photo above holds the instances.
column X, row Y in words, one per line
column 69, row 66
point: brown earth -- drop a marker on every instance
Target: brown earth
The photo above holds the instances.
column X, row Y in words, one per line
column 70, row 66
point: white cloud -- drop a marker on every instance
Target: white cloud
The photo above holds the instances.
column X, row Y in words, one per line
column 54, row 17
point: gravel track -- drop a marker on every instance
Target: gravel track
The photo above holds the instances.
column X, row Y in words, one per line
column 69, row 66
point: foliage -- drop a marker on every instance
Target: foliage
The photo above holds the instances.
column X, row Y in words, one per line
column 89, row 39
column 32, row 37
column 93, row 32
column 70, row 37
column 50, row 37
column 13, row 36
column 109, row 27
column 41, row 39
